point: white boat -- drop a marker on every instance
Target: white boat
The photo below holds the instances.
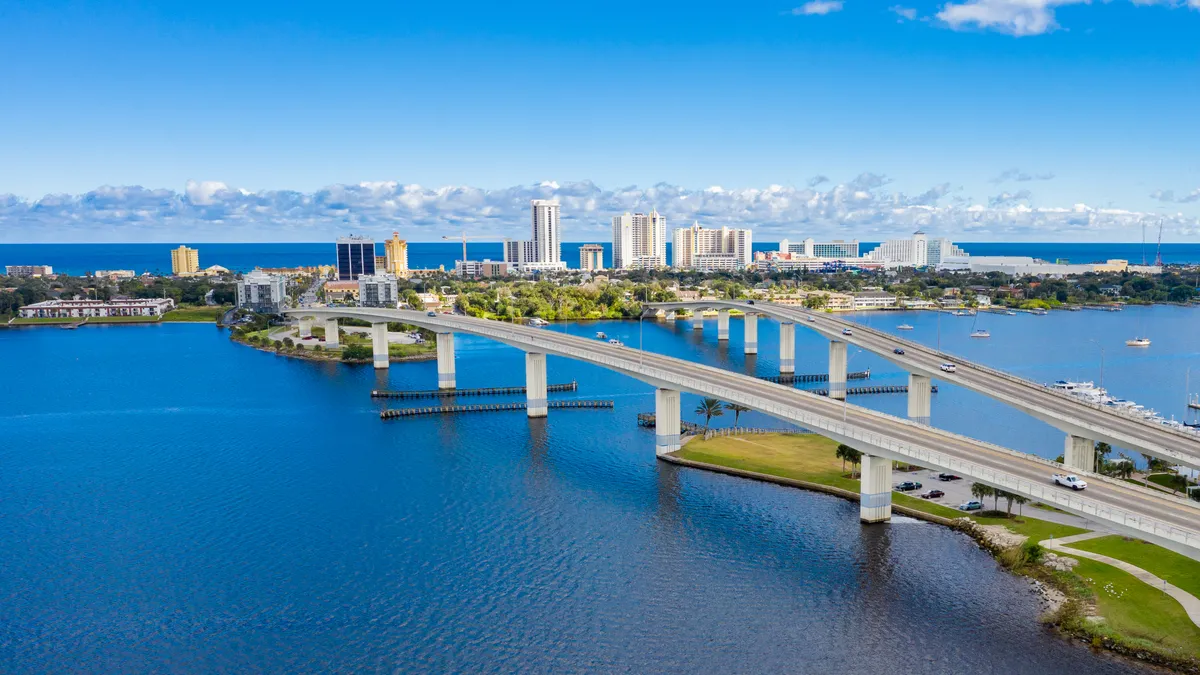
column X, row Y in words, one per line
column 1138, row 342
column 1011, row 313
column 616, row 343
column 981, row 333
column 904, row 326
column 538, row 322
column 600, row 335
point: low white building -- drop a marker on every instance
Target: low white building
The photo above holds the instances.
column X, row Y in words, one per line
column 377, row 290
column 262, row 292
column 78, row 309
column 873, row 300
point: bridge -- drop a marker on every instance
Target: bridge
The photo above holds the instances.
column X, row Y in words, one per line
column 1084, row 423
column 1123, row 507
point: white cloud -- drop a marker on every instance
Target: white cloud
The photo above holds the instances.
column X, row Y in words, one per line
column 863, row 208
column 1022, row 17
column 1168, row 196
column 910, row 13
column 818, row 8
column 1021, row 176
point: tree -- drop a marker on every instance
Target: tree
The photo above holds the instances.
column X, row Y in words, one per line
column 288, row 343
column 1102, row 450
column 356, row 353
column 847, row 453
column 737, row 409
column 710, row 408
column 1021, row 501
column 979, row 491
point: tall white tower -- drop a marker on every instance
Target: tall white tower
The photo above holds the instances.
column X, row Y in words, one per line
column 547, row 245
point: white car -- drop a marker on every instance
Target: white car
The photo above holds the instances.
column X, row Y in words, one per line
column 1069, row 480
column 812, row 319
column 948, row 368
column 847, row 331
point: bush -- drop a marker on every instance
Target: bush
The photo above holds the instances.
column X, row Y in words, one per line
column 356, row 353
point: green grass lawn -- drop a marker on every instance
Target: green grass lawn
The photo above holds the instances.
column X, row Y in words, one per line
column 1164, row 479
column 1177, row 569
column 124, row 319
column 412, row 350
column 35, row 322
column 196, row 314
column 1137, row 613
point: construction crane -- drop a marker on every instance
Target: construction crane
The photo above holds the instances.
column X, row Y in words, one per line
column 464, row 238
column 1158, row 253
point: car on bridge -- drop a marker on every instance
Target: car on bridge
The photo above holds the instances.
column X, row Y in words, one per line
column 932, row 494
column 1069, row 480
column 908, row 486
column 847, row 331
column 948, row 367
column 899, row 351
column 973, row 505
column 812, row 319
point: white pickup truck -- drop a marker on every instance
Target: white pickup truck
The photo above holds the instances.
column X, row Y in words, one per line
column 1069, row 480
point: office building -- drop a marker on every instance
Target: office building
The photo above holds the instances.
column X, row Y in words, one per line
column 28, row 270
column 355, row 257
column 480, row 269
column 831, row 250
column 917, row 251
column 377, row 290
column 711, row 250
column 639, row 241
column 591, row 257
column 262, row 292
column 396, row 255
column 185, row 260
column 78, row 309
column 542, row 253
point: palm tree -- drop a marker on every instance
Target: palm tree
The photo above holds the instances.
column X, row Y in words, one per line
column 737, row 409
column 979, row 491
column 1021, row 502
column 710, row 408
column 1102, row 451
column 844, row 453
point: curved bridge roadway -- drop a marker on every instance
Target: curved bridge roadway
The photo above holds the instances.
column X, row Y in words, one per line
column 1057, row 409
column 1140, row 512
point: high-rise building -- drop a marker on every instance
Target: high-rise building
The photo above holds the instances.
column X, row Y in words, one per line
column 185, row 260
column 639, row 240
column 544, row 251
column 396, row 252
column 262, row 292
column 811, row 248
column 708, row 250
column 377, row 290
column 917, row 251
column 355, row 257
column 591, row 257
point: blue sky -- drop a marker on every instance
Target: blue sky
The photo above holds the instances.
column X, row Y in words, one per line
column 1094, row 103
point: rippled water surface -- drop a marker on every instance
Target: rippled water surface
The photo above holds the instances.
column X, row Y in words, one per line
column 171, row 502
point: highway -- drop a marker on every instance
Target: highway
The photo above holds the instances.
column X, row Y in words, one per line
column 1125, row 507
column 1058, row 409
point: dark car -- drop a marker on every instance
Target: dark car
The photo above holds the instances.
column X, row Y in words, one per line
column 897, row 350
column 932, row 494
column 749, row 302
column 908, row 486
column 948, row 476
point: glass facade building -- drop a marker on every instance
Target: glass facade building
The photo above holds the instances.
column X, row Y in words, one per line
column 355, row 257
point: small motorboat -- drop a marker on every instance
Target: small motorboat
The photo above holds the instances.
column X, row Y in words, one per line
column 904, row 326
column 601, row 335
column 981, row 333
column 1138, row 342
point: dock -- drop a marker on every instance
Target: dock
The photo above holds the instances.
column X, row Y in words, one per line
column 813, row 377
column 394, row 413
column 482, row 391
column 862, row 391
column 647, row 420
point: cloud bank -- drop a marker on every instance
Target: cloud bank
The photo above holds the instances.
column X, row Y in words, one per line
column 1022, row 17
column 862, row 208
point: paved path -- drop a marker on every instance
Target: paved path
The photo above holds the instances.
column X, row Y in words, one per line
column 1191, row 604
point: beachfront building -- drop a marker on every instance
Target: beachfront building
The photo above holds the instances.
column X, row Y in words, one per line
column 542, row 253
column 1025, row 265
column 824, row 250
column 262, row 292
column 639, row 241
column 28, row 270
column 396, row 256
column 480, row 269
column 114, row 275
column 917, row 251
column 591, row 257
column 378, row 290
column 711, row 250
column 185, row 260
column 355, row 257
column 78, row 309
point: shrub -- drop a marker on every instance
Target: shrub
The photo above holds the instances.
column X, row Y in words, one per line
column 356, row 353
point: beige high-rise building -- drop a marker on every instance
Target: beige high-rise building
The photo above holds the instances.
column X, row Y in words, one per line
column 639, row 241
column 722, row 250
column 185, row 260
column 591, row 257
column 396, row 254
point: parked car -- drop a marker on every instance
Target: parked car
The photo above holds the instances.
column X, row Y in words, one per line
column 1069, row 480
column 897, row 350
column 948, row 476
column 973, row 505
column 847, row 331
column 948, row 367
column 932, row 494
column 908, row 486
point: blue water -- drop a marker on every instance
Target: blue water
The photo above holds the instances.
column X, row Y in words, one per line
column 173, row 502
column 156, row 258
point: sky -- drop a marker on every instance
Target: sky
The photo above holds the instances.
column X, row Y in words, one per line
column 982, row 120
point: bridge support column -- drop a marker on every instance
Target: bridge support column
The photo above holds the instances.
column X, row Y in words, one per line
column 919, row 398
column 379, row 344
column 666, row 421
column 722, row 324
column 697, row 319
column 1080, row 453
column 751, row 326
column 535, row 384
column 445, row 358
column 875, row 490
column 306, row 324
column 787, row 348
column 670, row 316
column 332, row 340
column 837, row 370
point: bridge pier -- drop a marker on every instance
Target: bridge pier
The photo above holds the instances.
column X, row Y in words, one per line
column 787, row 348
column 671, row 316
column 875, row 490
column 666, row 421
column 306, row 324
column 379, row 345
column 751, row 326
column 1080, row 453
column 535, row 384
column 837, row 370
column 920, row 398
column 697, row 319
column 332, row 340
column 722, row 324
column 445, row 360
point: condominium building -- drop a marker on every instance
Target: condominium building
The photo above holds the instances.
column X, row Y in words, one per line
column 262, row 292
column 114, row 275
column 798, row 262
column 28, row 270
column 377, row 290
column 825, row 250
column 63, row 309
column 480, row 269
column 544, row 251
column 591, row 257
column 917, row 251
column 639, row 241
column 396, row 254
column 185, row 260
column 355, row 257
column 711, row 250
